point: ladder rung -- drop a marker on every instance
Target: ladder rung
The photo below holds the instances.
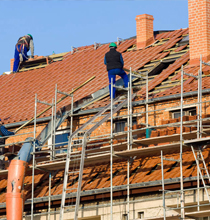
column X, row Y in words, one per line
column 70, row 156
column 202, row 168
column 73, row 172
column 76, row 156
column 171, row 159
column 119, row 87
column 94, row 122
column 72, row 152
column 71, row 189
column 68, row 206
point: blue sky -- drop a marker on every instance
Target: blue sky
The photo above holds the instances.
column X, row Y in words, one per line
column 58, row 25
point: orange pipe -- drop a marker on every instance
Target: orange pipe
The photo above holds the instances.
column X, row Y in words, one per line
column 14, row 196
column 14, row 206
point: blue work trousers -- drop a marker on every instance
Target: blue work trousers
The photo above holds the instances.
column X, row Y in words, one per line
column 17, row 58
column 112, row 76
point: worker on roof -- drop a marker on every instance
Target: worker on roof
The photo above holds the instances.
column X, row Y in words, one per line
column 23, row 45
column 114, row 63
column 4, row 133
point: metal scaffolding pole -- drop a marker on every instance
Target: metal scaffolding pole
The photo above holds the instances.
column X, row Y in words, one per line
column 111, row 156
column 181, row 146
column 54, row 126
column 147, row 98
column 49, row 201
column 72, row 111
column 128, row 119
column 199, row 129
column 51, row 157
column 198, row 107
column 200, row 93
column 129, row 126
column 52, row 131
column 130, row 108
column 128, row 147
column 128, row 190
column 198, row 186
column 163, row 186
column 33, row 163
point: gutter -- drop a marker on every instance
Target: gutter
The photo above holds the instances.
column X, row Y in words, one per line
column 17, row 124
column 165, row 98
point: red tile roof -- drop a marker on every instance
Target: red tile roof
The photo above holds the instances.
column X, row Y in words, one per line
column 19, row 89
column 17, row 101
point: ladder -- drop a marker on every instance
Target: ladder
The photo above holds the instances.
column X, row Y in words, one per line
column 199, row 159
column 79, row 138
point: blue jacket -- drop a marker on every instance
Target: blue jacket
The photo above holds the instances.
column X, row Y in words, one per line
column 4, row 132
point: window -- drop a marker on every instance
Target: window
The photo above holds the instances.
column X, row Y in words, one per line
column 141, row 215
column 187, row 111
column 124, row 217
column 119, row 126
column 61, row 139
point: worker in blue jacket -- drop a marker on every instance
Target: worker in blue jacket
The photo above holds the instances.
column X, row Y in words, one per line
column 23, row 45
column 114, row 63
column 3, row 132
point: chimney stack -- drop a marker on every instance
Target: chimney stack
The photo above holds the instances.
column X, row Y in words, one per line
column 199, row 30
column 144, row 30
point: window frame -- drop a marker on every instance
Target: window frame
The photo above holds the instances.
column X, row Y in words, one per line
column 140, row 214
column 186, row 112
column 134, row 121
column 58, row 133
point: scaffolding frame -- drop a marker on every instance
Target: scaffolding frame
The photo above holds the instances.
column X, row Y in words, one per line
column 129, row 137
column 129, row 133
column 182, row 142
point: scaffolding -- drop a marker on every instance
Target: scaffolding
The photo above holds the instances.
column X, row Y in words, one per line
column 196, row 140
column 197, row 145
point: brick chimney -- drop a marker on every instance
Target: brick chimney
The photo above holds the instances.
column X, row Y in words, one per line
column 199, row 30
column 144, row 30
